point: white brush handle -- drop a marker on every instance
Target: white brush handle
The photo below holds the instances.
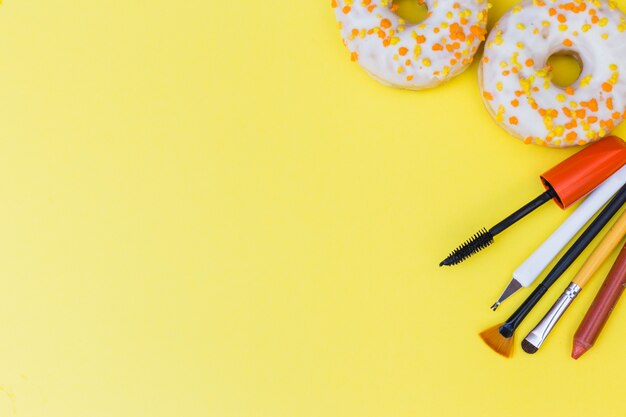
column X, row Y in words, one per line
column 544, row 254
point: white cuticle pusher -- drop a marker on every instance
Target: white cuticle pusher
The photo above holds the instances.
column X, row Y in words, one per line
column 544, row 254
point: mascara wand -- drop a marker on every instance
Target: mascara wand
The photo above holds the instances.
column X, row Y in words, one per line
column 484, row 237
column 565, row 184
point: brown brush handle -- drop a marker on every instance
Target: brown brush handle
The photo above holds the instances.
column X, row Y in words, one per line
column 602, row 306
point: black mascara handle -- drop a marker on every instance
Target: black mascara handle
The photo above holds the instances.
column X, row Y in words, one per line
column 508, row 328
column 523, row 212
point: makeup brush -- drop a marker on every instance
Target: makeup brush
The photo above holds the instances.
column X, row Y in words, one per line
column 565, row 183
column 506, row 330
column 609, row 242
column 534, row 265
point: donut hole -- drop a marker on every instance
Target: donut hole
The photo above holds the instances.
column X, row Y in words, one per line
column 565, row 68
column 413, row 11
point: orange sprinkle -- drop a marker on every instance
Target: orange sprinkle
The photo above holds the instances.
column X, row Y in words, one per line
column 346, row 9
column 571, row 136
column 354, row 56
column 420, row 39
column 581, row 113
column 530, row 62
column 478, row 32
column 513, row 120
column 592, row 119
column 403, row 51
column 593, row 104
column 506, row 72
column 409, row 77
column 561, row 18
column 552, row 11
column 609, row 103
column 333, row 3
column 567, row 42
column 487, row 95
column 595, row 19
column 567, row 112
column 456, row 32
column 616, row 115
column 515, row 102
column 569, row 91
column 437, row 47
column 607, row 87
column 385, row 23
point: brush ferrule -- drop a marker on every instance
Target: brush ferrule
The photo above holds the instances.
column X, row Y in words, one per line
column 539, row 334
column 507, row 330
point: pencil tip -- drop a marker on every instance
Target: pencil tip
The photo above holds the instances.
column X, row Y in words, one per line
column 578, row 350
column 495, row 306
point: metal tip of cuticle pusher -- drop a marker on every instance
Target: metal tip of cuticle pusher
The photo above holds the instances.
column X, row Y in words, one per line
column 510, row 289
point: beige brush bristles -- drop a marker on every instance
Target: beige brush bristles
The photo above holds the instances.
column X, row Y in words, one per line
column 497, row 342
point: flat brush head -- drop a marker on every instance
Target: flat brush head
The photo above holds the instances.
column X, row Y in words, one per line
column 529, row 347
column 497, row 342
column 475, row 244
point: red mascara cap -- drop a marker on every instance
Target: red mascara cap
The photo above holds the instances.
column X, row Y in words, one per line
column 582, row 172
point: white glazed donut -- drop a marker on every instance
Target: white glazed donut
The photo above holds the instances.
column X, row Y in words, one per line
column 516, row 81
column 412, row 56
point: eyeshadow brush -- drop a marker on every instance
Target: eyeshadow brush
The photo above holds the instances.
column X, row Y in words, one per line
column 609, row 242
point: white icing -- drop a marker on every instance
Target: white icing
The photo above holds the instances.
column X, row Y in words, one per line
column 412, row 56
column 547, row 114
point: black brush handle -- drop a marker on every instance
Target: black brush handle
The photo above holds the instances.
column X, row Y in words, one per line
column 522, row 212
column 508, row 328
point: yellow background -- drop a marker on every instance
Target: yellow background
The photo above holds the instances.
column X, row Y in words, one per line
column 208, row 210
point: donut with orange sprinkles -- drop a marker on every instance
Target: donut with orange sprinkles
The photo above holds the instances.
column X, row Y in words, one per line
column 412, row 56
column 515, row 78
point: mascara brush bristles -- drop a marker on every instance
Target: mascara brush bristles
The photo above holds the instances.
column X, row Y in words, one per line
column 475, row 244
column 497, row 342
